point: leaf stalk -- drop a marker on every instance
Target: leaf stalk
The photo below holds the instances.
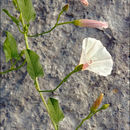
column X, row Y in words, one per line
column 14, row 68
column 44, row 102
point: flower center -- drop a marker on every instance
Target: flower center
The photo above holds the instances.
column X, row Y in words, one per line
column 87, row 64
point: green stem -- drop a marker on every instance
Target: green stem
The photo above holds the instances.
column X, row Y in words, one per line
column 36, row 35
column 57, row 24
column 44, row 102
column 76, row 69
column 14, row 68
column 36, row 80
column 64, row 80
column 68, row 22
column 89, row 116
column 26, row 40
column 20, row 29
column 12, row 65
column 59, row 17
column 25, row 31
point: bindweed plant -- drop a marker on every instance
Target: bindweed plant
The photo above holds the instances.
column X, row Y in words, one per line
column 94, row 56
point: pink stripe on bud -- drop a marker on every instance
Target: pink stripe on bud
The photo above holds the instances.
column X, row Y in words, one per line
column 91, row 23
column 86, row 65
column 85, row 2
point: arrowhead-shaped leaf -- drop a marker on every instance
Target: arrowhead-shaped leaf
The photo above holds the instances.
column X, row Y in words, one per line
column 12, row 17
column 27, row 10
column 10, row 47
column 55, row 111
column 34, row 67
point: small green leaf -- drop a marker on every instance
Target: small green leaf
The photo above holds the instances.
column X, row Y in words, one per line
column 10, row 47
column 15, row 4
column 55, row 111
column 27, row 10
column 34, row 67
column 12, row 17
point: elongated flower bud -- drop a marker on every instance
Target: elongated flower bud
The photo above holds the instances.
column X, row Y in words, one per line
column 65, row 8
column 90, row 23
column 85, row 2
column 97, row 103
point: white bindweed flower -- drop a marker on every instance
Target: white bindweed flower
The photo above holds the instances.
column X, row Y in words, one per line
column 95, row 57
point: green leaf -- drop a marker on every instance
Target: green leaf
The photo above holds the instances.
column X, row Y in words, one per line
column 27, row 10
column 15, row 3
column 34, row 67
column 12, row 17
column 55, row 111
column 10, row 47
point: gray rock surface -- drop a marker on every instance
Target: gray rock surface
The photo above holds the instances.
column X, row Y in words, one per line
column 20, row 105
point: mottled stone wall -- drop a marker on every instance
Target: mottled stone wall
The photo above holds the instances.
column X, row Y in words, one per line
column 20, row 105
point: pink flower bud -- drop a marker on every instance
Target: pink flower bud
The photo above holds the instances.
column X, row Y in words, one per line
column 85, row 2
column 91, row 23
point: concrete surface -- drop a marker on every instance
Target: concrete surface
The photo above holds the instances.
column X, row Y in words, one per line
column 20, row 105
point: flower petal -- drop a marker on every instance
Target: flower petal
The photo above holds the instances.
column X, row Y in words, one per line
column 85, row 2
column 90, row 23
column 101, row 61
